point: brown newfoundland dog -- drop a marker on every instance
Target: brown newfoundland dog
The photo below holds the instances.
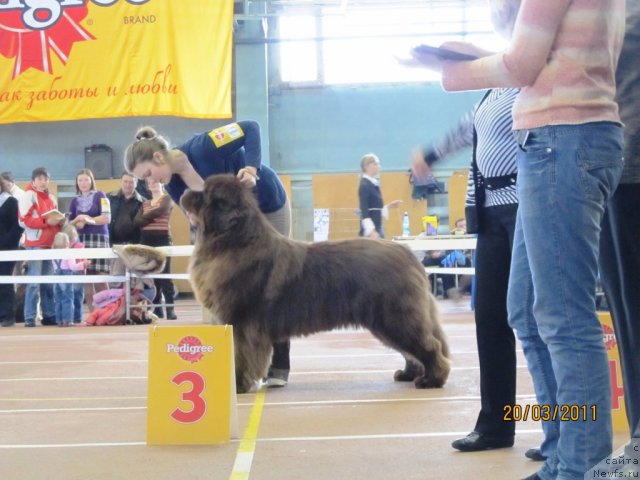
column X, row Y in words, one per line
column 271, row 288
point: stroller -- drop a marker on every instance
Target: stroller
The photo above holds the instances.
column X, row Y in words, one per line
column 110, row 306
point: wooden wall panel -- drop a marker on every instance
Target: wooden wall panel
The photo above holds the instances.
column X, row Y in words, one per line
column 457, row 189
column 339, row 193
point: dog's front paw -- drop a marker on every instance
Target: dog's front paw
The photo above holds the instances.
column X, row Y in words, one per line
column 411, row 370
column 245, row 385
column 428, row 382
column 404, row 376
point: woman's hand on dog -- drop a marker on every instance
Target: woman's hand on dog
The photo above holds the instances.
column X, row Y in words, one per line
column 248, row 176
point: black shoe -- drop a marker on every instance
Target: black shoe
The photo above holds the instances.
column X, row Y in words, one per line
column 171, row 314
column 8, row 323
column 158, row 312
column 476, row 441
column 532, row 477
column 535, row 454
column 48, row 321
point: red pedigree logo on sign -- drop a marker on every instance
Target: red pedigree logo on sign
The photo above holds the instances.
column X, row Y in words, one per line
column 30, row 31
column 609, row 337
column 190, row 349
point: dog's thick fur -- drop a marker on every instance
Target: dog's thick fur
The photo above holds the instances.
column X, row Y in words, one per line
column 271, row 288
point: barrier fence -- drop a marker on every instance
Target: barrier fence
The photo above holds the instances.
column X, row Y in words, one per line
column 441, row 242
column 88, row 253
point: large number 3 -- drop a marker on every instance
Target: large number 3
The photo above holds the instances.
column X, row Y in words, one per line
column 194, row 395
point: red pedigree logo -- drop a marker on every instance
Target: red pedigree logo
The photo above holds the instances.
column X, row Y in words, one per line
column 609, row 337
column 190, row 349
column 30, row 30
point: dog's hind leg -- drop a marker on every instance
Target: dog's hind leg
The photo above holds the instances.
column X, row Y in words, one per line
column 420, row 339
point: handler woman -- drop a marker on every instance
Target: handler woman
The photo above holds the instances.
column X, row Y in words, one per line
column 233, row 148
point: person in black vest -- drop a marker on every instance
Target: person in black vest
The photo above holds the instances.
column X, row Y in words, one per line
column 372, row 209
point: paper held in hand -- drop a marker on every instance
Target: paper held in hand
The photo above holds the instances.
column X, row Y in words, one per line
column 53, row 214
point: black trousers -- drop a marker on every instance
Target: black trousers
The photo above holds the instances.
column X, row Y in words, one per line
column 7, row 294
column 496, row 340
column 280, row 359
column 620, row 271
column 163, row 285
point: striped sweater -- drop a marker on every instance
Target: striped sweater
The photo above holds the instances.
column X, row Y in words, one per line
column 496, row 148
column 154, row 215
column 563, row 55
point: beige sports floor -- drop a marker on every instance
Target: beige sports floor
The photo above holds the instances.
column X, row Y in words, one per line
column 73, row 406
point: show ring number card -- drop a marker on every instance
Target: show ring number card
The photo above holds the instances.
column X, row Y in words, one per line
column 191, row 397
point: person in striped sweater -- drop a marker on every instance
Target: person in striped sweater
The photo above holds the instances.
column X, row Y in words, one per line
column 154, row 218
column 562, row 55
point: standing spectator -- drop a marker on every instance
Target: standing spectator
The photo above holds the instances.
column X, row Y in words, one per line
column 233, row 148
column 64, row 294
column 90, row 213
column 15, row 191
column 491, row 205
column 125, row 205
column 154, row 218
column 10, row 232
column 78, row 288
column 372, row 209
column 39, row 233
column 563, row 55
column 620, row 238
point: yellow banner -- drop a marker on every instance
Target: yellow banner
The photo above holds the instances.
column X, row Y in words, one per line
column 79, row 59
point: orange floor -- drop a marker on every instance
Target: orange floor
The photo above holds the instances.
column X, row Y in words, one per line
column 73, row 406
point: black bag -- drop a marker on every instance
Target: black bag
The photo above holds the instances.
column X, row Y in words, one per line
column 421, row 188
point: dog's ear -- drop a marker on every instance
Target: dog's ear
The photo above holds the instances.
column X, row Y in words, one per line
column 192, row 201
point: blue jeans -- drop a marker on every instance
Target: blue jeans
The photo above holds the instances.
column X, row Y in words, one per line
column 566, row 174
column 35, row 292
column 78, row 299
column 64, row 295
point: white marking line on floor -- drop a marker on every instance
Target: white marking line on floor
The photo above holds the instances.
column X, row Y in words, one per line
column 266, row 404
column 51, row 362
column 87, row 409
column 73, row 379
column 328, row 438
column 293, row 358
column 144, row 377
column 70, row 399
column 397, row 436
column 73, row 445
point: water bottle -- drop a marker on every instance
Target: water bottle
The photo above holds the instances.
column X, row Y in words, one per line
column 406, row 229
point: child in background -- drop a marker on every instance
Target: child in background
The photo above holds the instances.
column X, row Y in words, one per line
column 63, row 292
column 78, row 288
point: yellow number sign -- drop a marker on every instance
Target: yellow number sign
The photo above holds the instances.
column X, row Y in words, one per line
column 618, row 410
column 191, row 398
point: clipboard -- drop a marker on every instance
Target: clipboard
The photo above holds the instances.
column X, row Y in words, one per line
column 443, row 53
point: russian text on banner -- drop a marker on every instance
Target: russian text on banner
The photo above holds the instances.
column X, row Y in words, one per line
column 79, row 59
column 191, row 397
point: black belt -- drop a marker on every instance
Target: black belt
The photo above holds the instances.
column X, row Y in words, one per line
column 496, row 183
